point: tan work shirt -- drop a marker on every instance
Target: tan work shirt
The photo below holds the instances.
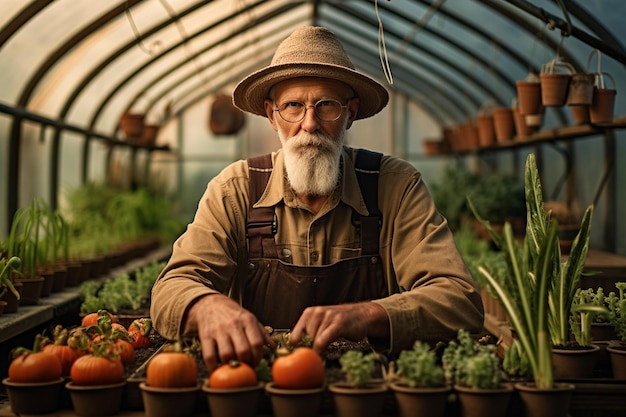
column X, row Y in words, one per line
column 433, row 294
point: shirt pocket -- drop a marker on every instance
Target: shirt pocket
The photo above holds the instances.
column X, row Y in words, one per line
column 338, row 253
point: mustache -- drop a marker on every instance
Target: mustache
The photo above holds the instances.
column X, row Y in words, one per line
column 305, row 139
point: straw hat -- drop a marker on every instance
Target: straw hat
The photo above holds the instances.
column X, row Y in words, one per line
column 314, row 52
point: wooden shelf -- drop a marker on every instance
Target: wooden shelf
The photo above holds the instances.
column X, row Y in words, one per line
column 59, row 303
column 561, row 133
column 543, row 136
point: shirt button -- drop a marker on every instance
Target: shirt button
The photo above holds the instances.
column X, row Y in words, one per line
column 374, row 260
column 315, row 256
column 286, row 253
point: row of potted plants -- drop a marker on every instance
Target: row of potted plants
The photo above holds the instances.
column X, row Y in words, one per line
column 102, row 227
column 537, row 287
column 88, row 362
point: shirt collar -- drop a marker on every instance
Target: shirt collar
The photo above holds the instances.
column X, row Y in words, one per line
column 278, row 190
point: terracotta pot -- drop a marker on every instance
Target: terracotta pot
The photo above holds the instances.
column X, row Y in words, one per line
column 234, row 402
column 472, row 138
column 73, row 278
column 33, row 398
column 574, row 362
column 132, row 125
column 295, row 402
column 148, row 135
column 96, row 400
column 618, row 361
column 48, row 281
column 503, row 124
column 484, row 402
column 420, row 402
column 554, row 89
column 522, row 129
column 31, row 290
column 60, row 277
column 550, row 402
column 167, row 402
column 601, row 109
column 529, row 96
column 580, row 91
column 580, row 114
column 12, row 302
column 603, row 331
column 486, row 130
column 368, row 401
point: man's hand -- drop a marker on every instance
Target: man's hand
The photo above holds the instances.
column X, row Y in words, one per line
column 226, row 330
column 325, row 324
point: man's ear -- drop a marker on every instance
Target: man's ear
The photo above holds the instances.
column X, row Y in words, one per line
column 269, row 112
column 353, row 107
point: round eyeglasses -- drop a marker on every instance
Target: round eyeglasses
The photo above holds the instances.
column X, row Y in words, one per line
column 327, row 110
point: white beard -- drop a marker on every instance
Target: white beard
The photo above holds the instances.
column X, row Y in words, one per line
column 312, row 162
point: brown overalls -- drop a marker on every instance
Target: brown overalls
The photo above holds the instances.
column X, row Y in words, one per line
column 278, row 292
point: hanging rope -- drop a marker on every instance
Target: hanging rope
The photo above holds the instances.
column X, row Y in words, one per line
column 382, row 49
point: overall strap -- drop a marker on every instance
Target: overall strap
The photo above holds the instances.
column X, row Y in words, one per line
column 261, row 224
column 367, row 169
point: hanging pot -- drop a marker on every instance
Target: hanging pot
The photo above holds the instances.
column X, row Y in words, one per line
column 132, row 125
column 580, row 113
column 149, row 135
column 224, row 117
column 580, row 91
column 554, row 85
column 601, row 109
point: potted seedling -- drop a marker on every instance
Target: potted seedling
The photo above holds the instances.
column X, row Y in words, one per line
column 474, row 369
column 418, row 383
column 359, row 394
column 617, row 317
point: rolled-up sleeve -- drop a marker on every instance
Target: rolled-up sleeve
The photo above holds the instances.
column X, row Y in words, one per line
column 437, row 295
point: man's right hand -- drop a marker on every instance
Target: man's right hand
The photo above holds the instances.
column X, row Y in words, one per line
column 226, row 331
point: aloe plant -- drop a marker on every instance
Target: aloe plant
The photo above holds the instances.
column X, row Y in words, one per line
column 536, row 287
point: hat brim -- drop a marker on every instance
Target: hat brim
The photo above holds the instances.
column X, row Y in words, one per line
column 251, row 92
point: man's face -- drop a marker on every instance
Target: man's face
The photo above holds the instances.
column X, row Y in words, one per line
column 312, row 146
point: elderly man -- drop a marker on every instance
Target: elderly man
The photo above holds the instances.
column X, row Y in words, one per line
column 317, row 237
